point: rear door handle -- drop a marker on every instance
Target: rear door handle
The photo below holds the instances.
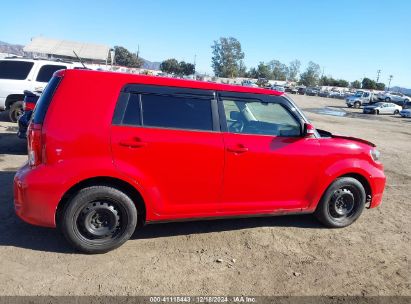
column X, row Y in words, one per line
column 237, row 149
column 133, row 143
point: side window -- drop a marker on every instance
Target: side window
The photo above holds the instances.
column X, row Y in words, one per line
column 176, row 112
column 132, row 114
column 47, row 71
column 366, row 94
column 18, row 70
column 256, row 117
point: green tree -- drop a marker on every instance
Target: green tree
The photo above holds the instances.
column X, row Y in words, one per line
column 170, row 66
column 369, row 84
column 263, row 71
column 124, row 57
column 311, row 75
column 380, row 86
column 186, row 68
column 279, row 71
column 227, row 60
column 294, row 70
column 356, row 84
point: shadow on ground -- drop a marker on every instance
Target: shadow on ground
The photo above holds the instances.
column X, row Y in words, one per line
column 11, row 144
column 14, row 232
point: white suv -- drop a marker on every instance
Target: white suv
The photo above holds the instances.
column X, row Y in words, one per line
column 17, row 75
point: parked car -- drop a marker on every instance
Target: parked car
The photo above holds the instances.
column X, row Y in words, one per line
column 18, row 75
column 324, row 93
column 249, row 83
column 29, row 102
column 359, row 98
column 301, row 90
column 405, row 112
column 394, row 97
column 382, row 108
column 163, row 149
column 278, row 88
column 312, row 91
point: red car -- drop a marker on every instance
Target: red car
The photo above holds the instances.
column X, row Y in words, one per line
column 143, row 149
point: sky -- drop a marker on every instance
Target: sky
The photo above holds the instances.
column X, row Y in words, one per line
column 349, row 39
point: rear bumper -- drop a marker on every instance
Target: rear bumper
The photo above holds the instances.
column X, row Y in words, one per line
column 35, row 204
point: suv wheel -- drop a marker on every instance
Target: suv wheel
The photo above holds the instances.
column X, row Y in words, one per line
column 342, row 203
column 98, row 219
column 16, row 110
column 357, row 104
column 387, row 99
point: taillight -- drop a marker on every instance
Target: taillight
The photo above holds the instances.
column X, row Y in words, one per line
column 35, row 145
column 28, row 106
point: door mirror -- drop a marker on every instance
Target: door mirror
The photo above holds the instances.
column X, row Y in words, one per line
column 309, row 130
column 235, row 115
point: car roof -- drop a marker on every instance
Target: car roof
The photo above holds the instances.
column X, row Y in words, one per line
column 171, row 82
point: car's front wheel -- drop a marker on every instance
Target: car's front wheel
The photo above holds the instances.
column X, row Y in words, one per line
column 357, row 104
column 342, row 203
column 98, row 219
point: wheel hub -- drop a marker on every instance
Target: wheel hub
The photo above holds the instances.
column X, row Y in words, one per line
column 342, row 202
column 99, row 219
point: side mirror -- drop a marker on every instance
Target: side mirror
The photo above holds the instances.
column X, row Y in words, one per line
column 235, row 115
column 309, row 130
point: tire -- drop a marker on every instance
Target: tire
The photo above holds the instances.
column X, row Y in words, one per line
column 387, row 99
column 377, row 112
column 396, row 112
column 357, row 104
column 98, row 219
column 342, row 203
column 16, row 110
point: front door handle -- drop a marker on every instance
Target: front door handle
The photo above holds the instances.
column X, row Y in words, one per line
column 237, row 149
column 133, row 143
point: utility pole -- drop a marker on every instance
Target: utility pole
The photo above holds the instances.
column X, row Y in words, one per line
column 389, row 82
column 378, row 75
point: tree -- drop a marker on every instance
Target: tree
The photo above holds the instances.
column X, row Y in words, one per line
column 356, row 84
column 293, row 70
column 170, row 66
column 227, row 59
column 263, row 71
column 124, row 57
column 279, row 71
column 311, row 75
column 380, row 86
column 186, row 68
column 369, row 84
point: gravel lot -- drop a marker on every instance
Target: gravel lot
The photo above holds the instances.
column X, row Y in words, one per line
column 288, row 255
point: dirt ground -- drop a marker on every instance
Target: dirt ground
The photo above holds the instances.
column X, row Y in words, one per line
column 288, row 255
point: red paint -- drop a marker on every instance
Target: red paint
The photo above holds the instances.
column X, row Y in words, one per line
column 179, row 173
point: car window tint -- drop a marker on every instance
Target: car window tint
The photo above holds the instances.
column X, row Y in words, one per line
column 17, row 70
column 176, row 112
column 255, row 117
column 132, row 113
column 47, row 71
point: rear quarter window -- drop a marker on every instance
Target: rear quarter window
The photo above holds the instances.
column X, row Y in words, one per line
column 15, row 70
column 44, row 101
column 47, row 71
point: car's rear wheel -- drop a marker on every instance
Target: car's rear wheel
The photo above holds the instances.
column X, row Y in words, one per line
column 16, row 110
column 396, row 112
column 342, row 203
column 357, row 105
column 98, row 219
column 377, row 112
column 387, row 99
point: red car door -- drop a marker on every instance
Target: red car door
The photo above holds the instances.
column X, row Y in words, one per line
column 169, row 145
column 268, row 164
